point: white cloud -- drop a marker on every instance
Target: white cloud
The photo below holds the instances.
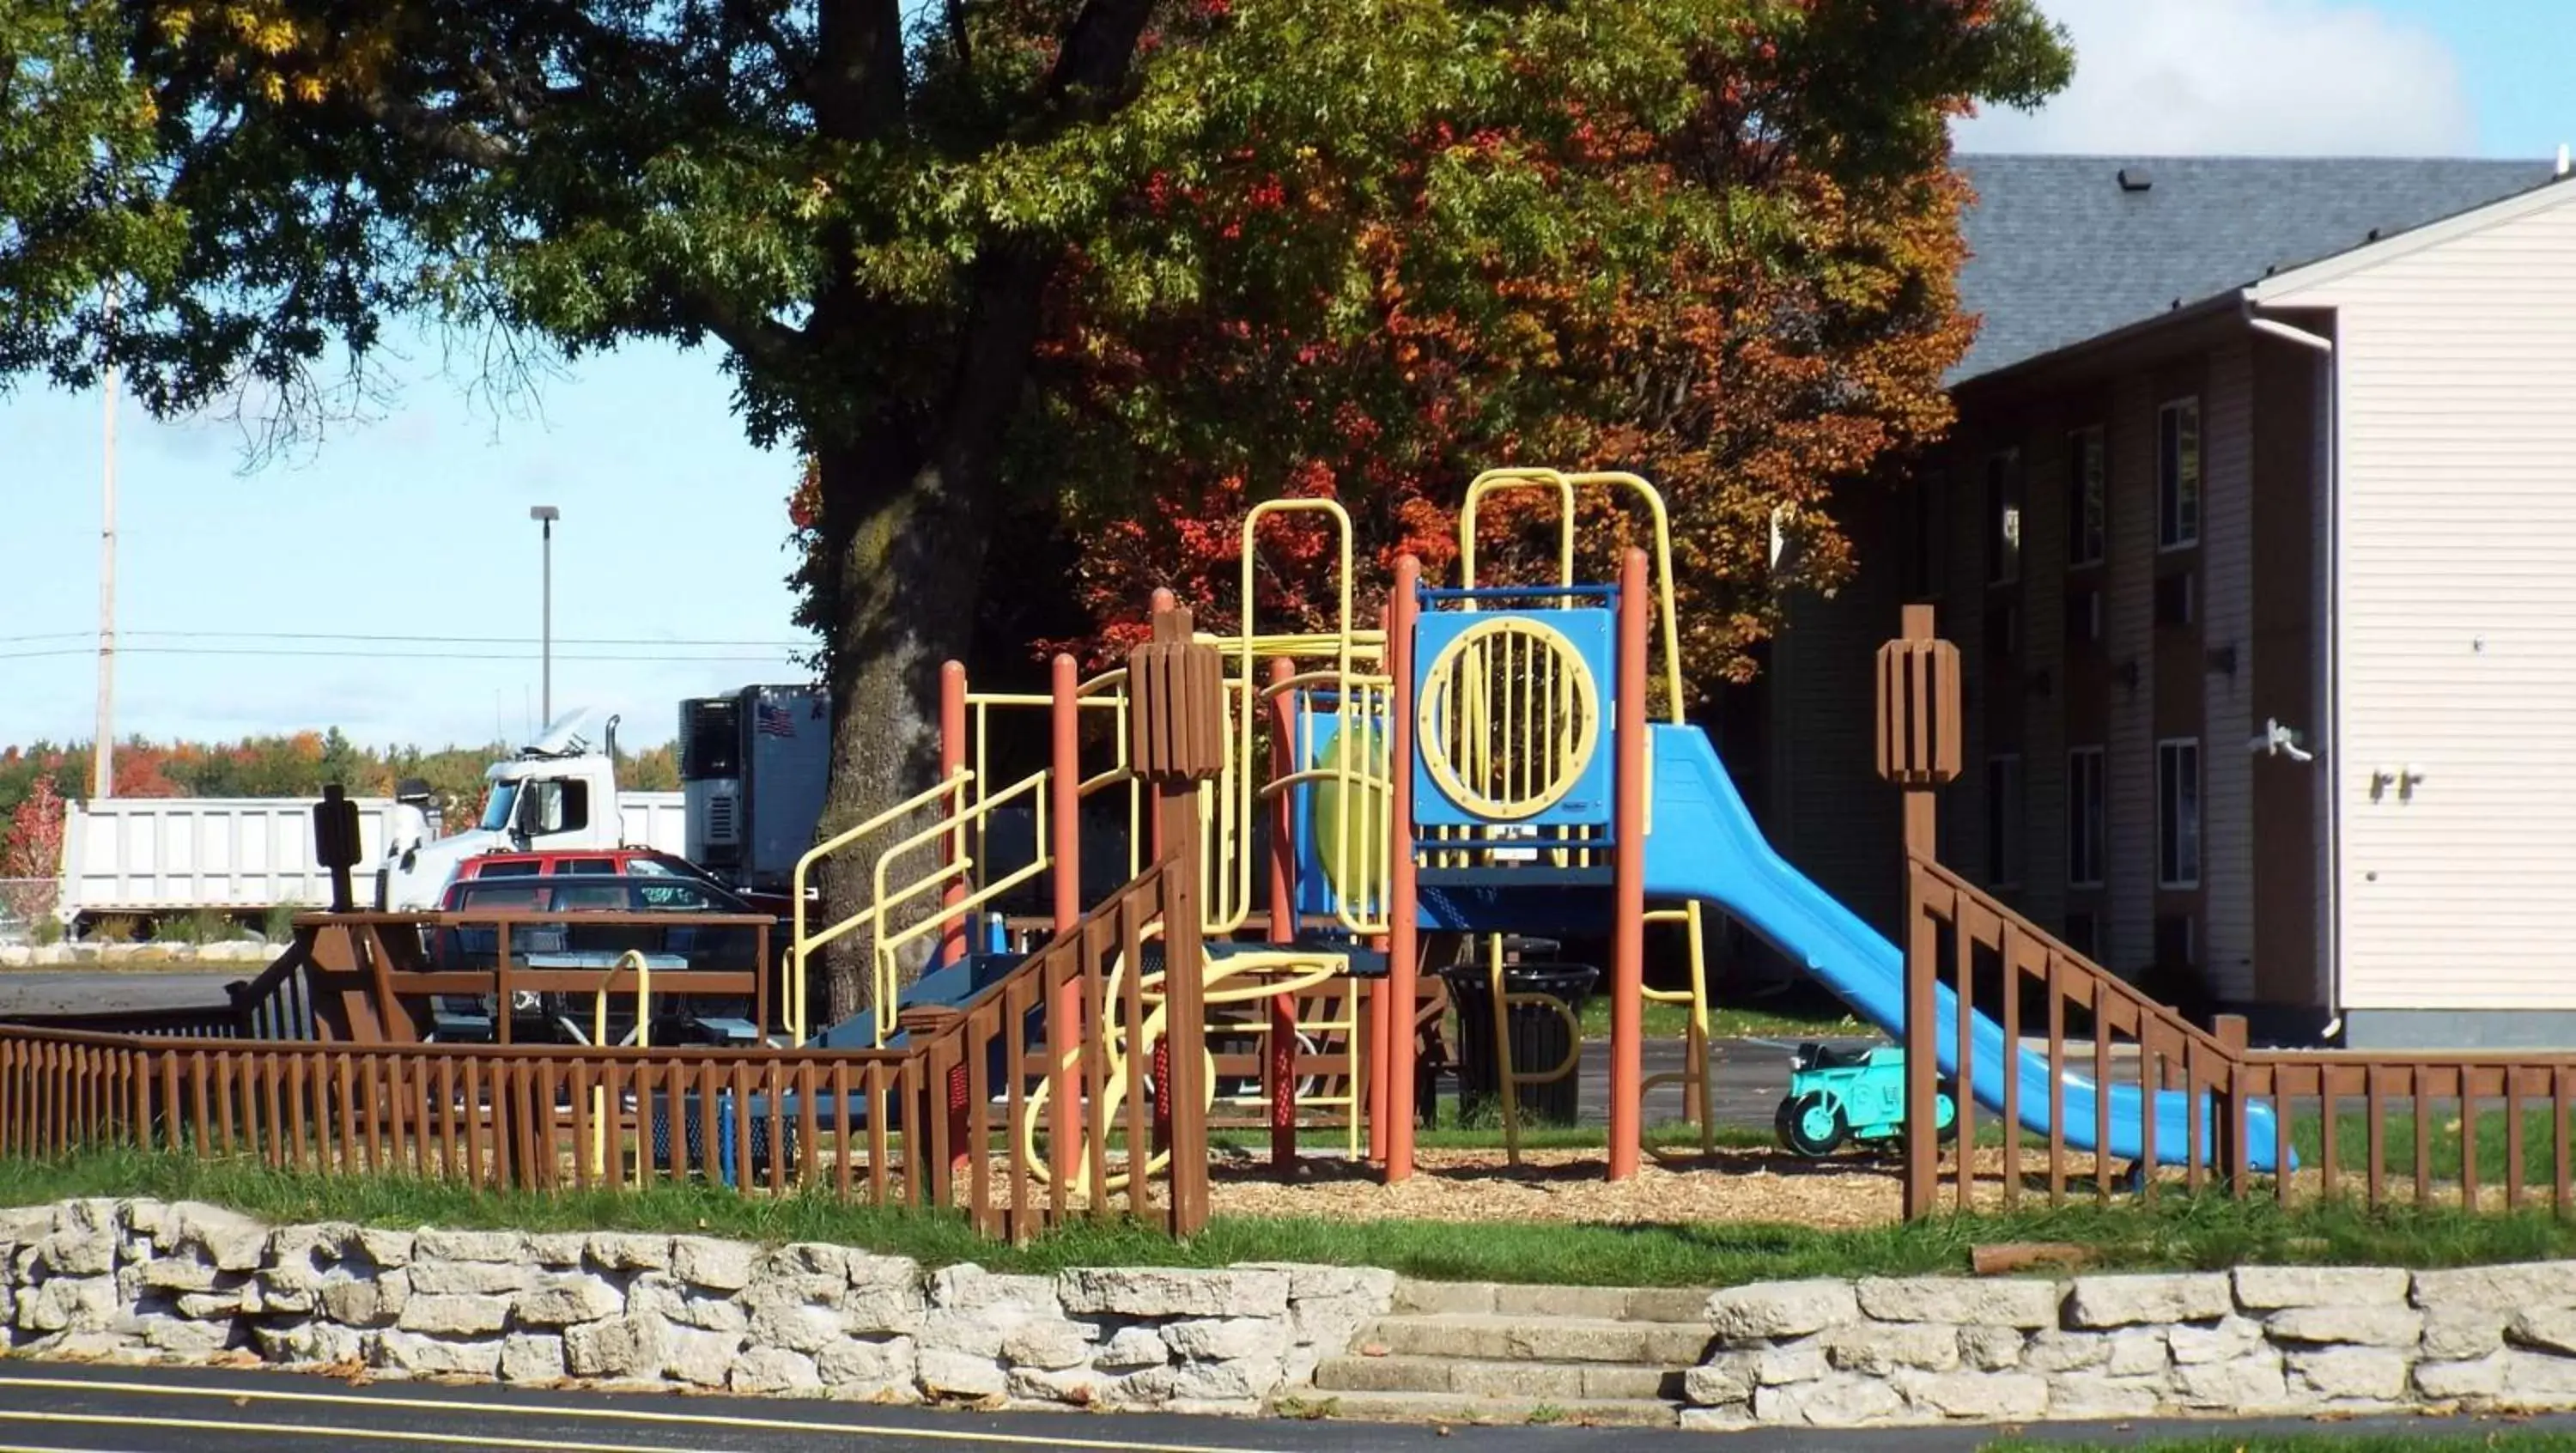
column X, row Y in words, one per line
column 2245, row 77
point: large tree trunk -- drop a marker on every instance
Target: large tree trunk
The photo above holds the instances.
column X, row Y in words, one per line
column 906, row 531
column 907, row 570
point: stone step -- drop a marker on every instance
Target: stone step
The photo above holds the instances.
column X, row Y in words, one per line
column 1528, row 1337
column 1558, row 1380
column 1637, row 1304
column 1456, row 1407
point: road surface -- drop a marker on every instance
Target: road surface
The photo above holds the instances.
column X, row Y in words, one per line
column 100, row 991
column 55, row 1408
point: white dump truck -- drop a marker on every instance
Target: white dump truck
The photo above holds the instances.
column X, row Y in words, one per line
column 143, row 857
column 147, row 857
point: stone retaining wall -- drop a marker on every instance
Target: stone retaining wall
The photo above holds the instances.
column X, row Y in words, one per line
column 2258, row 1340
column 144, row 1280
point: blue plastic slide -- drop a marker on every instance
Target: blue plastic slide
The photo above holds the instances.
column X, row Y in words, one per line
column 1703, row 844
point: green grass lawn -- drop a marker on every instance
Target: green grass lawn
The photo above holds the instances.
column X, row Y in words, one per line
column 1791, row 1016
column 2178, row 1232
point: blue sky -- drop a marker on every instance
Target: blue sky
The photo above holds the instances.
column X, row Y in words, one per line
column 673, row 526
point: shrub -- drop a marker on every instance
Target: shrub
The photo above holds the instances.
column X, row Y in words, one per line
column 277, row 925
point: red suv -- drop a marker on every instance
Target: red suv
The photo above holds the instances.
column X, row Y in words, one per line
column 574, row 882
column 611, row 862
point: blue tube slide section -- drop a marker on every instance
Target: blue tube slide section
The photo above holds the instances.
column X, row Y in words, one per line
column 1703, row 845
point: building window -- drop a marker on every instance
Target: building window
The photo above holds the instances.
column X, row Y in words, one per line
column 2178, row 813
column 2003, row 517
column 2087, row 821
column 2003, row 821
column 1927, row 529
column 2083, row 615
column 2083, row 932
column 2178, row 474
column 2088, row 506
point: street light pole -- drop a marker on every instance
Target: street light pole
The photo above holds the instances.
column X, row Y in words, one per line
column 545, row 516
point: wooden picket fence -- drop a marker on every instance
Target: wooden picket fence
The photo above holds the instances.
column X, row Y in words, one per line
column 931, row 1122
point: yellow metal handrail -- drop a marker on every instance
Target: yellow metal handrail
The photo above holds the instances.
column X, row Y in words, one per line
column 1507, row 1079
column 802, row 943
column 1566, row 488
column 887, row 899
column 632, row 960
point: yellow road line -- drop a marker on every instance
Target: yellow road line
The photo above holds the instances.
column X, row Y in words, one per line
column 596, row 1414
column 361, row 1435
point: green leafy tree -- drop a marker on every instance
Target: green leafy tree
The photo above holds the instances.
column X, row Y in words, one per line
column 887, row 215
column 80, row 196
column 655, row 769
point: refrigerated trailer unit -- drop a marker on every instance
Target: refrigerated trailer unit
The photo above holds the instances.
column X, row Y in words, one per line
column 754, row 766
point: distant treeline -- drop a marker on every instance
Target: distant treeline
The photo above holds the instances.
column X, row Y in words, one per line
column 286, row 766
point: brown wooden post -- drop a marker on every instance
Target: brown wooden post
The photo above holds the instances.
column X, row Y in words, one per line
column 2227, row 1149
column 1918, row 751
column 1177, row 741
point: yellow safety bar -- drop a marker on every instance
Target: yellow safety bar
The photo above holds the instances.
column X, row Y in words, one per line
column 888, row 898
column 1566, row 487
column 1507, row 1080
column 1360, row 868
column 1235, row 979
column 954, row 786
column 633, row 961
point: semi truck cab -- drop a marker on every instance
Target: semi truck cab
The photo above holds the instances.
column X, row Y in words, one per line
column 559, row 793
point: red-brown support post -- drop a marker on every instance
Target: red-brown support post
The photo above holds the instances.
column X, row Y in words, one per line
column 1064, row 1008
column 1164, row 601
column 1176, row 741
column 1918, row 751
column 1628, row 872
column 952, row 759
column 1403, row 948
column 1280, row 1074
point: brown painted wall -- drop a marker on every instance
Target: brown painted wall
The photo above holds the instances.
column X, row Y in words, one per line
column 2287, row 644
column 2180, row 657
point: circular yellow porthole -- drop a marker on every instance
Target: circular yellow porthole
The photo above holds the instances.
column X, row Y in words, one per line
column 1509, row 718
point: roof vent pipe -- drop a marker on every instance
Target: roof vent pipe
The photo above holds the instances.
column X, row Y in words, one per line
column 2562, row 159
column 2135, row 179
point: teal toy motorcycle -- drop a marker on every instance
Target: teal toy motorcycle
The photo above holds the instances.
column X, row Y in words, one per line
column 1838, row 1095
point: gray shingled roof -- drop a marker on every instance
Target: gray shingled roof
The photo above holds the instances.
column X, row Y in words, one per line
column 2061, row 252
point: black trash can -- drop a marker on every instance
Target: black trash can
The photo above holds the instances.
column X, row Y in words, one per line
column 1540, row 1039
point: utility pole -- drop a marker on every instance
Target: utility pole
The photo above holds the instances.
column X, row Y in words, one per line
column 102, row 756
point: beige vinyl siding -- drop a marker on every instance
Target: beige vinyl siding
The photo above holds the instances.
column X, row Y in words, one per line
column 2043, row 625
column 2128, row 611
column 2457, row 558
column 2227, row 609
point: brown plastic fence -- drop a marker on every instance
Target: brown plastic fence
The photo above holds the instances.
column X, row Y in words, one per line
column 916, row 1125
column 2484, row 1132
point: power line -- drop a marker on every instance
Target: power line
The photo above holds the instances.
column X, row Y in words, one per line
column 388, row 639
column 273, row 651
column 461, row 640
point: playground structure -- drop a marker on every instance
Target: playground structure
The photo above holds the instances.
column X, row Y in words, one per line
column 1480, row 762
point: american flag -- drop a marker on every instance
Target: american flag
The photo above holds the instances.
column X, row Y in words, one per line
column 773, row 720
